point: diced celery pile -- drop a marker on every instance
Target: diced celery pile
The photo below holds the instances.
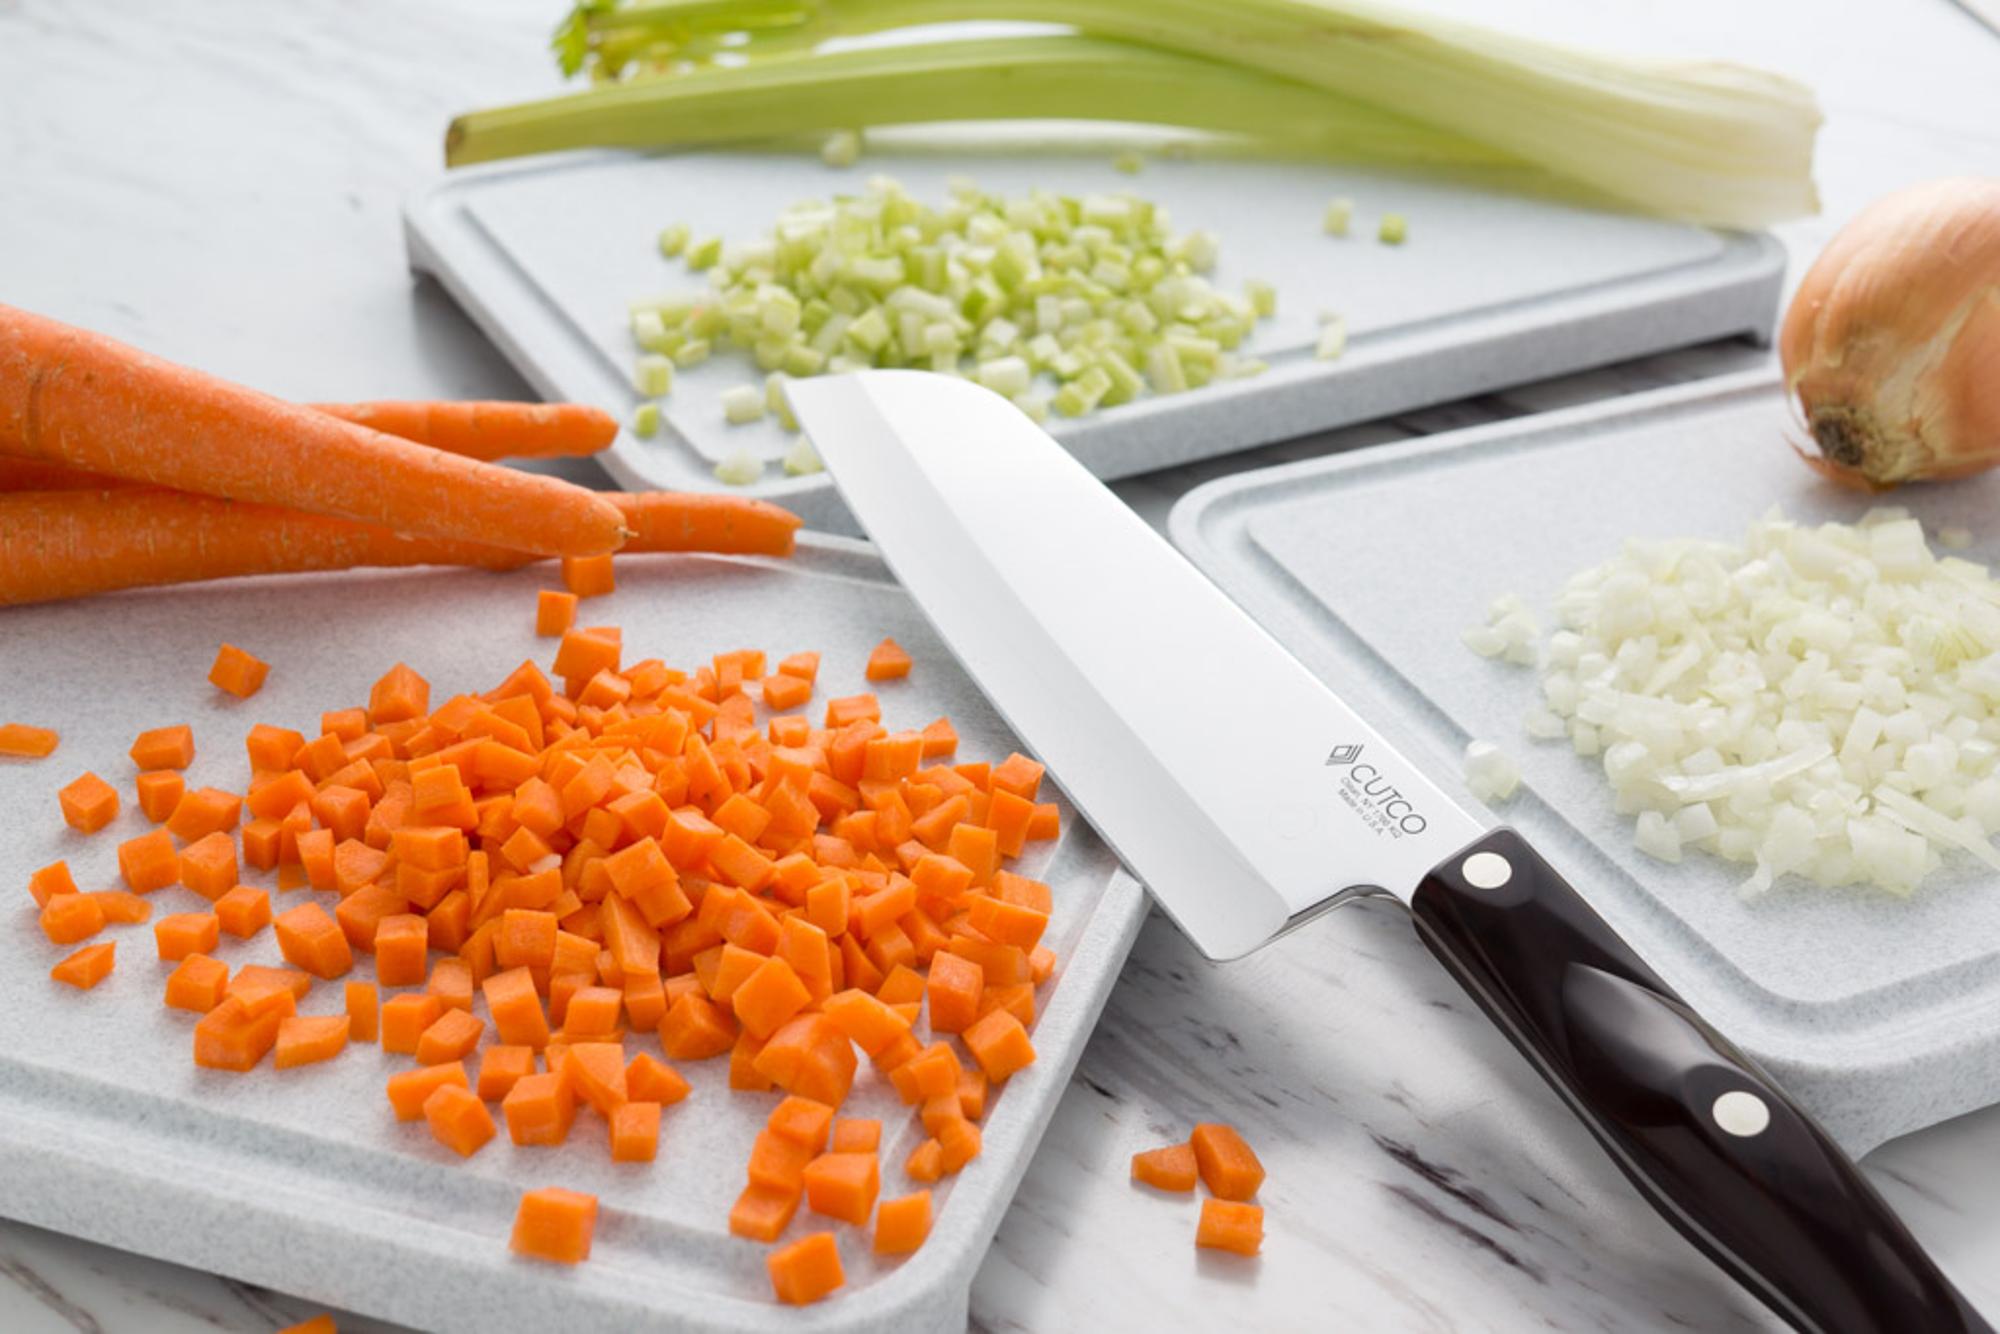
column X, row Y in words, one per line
column 1060, row 301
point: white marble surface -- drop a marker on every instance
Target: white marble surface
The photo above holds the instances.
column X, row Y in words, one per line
column 218, row 180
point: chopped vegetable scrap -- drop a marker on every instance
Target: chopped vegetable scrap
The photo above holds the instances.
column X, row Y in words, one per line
column 1060, row 302
column 1224, row 1162
column 554, row 869
column 1821, row 701
column 27, row 742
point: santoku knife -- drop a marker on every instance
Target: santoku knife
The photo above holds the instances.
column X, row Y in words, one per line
column 1250, row 799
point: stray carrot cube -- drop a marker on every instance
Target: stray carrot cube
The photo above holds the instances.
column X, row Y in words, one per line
column 232, row 1037
column 69, row 918
column 888, row 662
column 501, row 1067
column 311, row 940
column 87, row 967
column 199, row 984
column 164, row 747
column 399, row 695
column 805, row 666
column 237, row 672
column 958, row 1144
column 539, row 1109
column 954, row 989
column 635, row 1132
column 516, row 1008
column 902, row 1224
column 806, row 1270
column 648, row 1079
column 306, row 1039
column 25, row 742
column 527, row 938
column 769, row 997
column 597, row 1070
column 364, row 1010
column 1228, row 1225
column 402, row 942
column 762, row 1212
column 555, row 1224
column 451, row 980
column 203, row 811
column 88, row 804
column 926, row 1162
column 452, row 1036
column 588, row 576
column 1000, row 1044
column 851, row 709
column 555, row 612
column 856, row 1135
column 802, row 1121
column 50, row 881
column 160, row 790
column 263, row 843
column 1229, row 1167
column 843, row 1186
column 404, row 1019
column 411, row 1089
column 1169, row 1168
column 243, row 911
column 122, row 908
column 208, row 865
column 271, row 748
column 183, row 934
column 458, row 1119
column 593, row 1012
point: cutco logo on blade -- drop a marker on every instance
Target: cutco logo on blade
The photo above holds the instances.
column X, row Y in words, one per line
column 1381, row 806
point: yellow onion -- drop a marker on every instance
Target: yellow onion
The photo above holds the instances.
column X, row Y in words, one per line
column 1892, row 343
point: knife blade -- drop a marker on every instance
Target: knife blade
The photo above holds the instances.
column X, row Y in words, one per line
column 1249, row 798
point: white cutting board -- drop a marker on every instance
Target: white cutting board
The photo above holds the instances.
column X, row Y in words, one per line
column 302, row 1180
column 1880, row 1015
column 1494, row 287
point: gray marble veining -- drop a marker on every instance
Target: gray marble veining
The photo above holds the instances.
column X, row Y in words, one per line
column 218, row 180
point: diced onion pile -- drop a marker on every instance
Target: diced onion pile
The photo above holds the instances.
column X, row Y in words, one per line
column 1057, row 301
column 1818, row 701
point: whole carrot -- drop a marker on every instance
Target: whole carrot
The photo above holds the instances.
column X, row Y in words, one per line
column 489, row 431
column 74, row 397
column 65, row 544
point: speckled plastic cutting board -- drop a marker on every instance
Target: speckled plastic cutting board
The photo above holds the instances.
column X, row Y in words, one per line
column 1493, row 287
column 302, row 1179
column 1881, row 1015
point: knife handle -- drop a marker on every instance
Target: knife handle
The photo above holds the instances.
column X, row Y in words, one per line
column 1711, row 1142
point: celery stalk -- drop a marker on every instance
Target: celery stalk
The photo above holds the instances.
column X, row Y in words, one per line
column 1706, row 140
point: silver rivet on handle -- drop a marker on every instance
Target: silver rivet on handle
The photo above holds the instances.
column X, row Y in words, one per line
column 1486, row 870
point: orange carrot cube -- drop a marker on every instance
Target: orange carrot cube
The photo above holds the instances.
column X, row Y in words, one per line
column 1169, row 1168
column 183, row 934
column 555, row 612
column 761, row 1212
column 404, row 1019
column 902, row 1224
column 635, row 1132
column 88, row 804
column 452, row 1036
column 87, row 967
column 501, row 1067
column 233, row 1037
column 648, row 1079
column 243, row 911
column 208, row 865
column 160, row 790
column 1000, row 1044
column 311, row 940
column 458, row 1119
column 25, row 742
column 888, row 661
column 237, row 673
column 363, row 1010
column 802, row 1121
column 402, row 942
column 203, row 811
column 164, row 747
column 1228, row 1225
column 552, row 1223
column 539, row 1109
column 1228, row 1165
column 69, row 918
column 306, row 1039
column 588, row 576
column 806, row 1270
column 843, row 1186
column 856, row 1135
column 199, row 984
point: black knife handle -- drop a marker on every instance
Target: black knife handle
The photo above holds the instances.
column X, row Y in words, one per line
column 1676, row 1105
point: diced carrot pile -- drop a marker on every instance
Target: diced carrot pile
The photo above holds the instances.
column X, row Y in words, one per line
column 1224, row 1162
column 563, row 866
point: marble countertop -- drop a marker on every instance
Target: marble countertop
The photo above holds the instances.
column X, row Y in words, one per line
column 218, row 180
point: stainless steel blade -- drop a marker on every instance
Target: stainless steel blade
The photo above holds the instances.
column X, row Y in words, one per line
column 1237, row 786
